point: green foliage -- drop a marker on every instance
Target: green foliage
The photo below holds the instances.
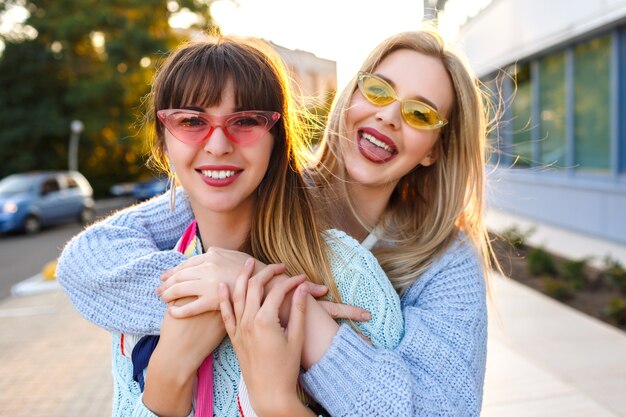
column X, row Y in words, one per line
column 616, row 310
column 557, row 288
column 574, row 272
column 615, row 272
column 539, row 262
column 516, row 237
column 65, row 74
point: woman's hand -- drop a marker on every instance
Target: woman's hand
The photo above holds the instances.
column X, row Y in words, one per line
column 199, row 277
column 269, row 355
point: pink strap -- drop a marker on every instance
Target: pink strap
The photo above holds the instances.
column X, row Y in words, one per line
column 204, row 395
column 204, row 398
column 188, row 236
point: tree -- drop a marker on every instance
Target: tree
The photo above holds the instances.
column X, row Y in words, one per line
column 86, row 60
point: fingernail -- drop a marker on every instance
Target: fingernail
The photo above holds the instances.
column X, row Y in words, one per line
column 249, row 262
column 158, row 291
column 366, row 316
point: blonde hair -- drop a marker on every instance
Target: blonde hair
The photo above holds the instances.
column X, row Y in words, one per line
column 429, row 205
column 284, row 227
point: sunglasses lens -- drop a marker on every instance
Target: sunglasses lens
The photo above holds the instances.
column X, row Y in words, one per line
column 419, row 115
column 247, row 127
column 189, row 128
column 376, row 90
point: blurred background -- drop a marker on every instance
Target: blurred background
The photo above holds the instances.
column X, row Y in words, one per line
column 73, row 75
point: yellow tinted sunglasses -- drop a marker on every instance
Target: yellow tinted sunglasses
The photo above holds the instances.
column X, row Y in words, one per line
column 415, row 113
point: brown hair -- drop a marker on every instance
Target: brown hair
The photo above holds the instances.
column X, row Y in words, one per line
column 284, row 227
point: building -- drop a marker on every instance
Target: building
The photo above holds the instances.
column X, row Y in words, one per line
column 560, row 67
column 315, row 78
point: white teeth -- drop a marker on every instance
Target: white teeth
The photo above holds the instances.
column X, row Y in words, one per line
column 218, row 174
column 376, row 142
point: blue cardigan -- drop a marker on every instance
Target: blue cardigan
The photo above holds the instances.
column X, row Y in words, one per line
column 111, row 269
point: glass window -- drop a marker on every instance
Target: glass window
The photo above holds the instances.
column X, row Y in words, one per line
column 521, row 113
column 592, row 104
column 552, row 109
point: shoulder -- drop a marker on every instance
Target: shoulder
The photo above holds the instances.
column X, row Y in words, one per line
column 457, row 273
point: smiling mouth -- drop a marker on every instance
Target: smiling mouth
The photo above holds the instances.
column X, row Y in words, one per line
column 218, row 174
column 371, row 139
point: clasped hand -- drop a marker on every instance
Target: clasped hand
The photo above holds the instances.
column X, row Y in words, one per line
column 197, row 280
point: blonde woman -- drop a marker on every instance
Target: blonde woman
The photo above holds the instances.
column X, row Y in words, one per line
column 402, row 170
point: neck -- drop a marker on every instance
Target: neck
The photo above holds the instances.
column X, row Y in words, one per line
column 228, row 230
column 369, row 203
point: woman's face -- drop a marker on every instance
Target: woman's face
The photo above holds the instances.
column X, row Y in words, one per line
column 218, row 174
column 382, row 147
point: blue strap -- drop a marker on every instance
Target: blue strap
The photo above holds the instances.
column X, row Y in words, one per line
column 141, row 356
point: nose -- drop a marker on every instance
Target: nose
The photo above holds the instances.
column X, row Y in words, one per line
column 390, row 114
column 218, row 143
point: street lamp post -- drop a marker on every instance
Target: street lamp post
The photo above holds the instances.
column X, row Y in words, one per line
column 76, row 126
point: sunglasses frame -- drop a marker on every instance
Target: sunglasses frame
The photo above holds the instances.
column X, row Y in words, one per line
column 214, row 122
column 362, row 75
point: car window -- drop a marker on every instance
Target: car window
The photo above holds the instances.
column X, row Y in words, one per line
column 49, row 186
column 15, row 185
column 71, row 182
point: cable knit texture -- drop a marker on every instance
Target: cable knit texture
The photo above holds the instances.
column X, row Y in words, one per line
column 359, row 278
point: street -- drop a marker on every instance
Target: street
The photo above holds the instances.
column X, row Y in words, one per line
column 22, row 256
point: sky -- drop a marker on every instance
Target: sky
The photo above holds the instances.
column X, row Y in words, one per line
column 344, row 31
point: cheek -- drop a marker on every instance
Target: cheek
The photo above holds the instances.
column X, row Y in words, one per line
column 358, row 110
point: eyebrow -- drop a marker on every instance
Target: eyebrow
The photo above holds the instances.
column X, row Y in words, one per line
column 419, row 98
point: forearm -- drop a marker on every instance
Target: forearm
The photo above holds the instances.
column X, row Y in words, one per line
column 110, row 270
column 319, row 330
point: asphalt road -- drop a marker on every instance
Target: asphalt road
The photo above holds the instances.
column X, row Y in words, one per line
column 23, row 256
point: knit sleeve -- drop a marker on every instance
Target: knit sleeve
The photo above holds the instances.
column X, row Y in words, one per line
column 127, row 396
column 363, row 283
column 111, row 269
column 439, row 366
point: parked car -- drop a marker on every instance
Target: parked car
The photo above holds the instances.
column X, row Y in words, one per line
column 32, row 200
column 151, row 188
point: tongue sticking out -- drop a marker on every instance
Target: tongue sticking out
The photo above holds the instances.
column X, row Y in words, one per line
column 372, row 152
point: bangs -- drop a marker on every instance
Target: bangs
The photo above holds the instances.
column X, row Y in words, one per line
column 200, row 78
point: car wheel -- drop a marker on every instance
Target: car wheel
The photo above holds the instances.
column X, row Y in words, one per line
column 32, row 224
column 86, row 215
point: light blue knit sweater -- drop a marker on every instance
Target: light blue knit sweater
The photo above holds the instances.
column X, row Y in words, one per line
column 111, row 269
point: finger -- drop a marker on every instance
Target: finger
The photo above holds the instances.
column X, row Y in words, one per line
column 184, row 289
column 226, row 309
column 278, row 293
column 191, row 309
column 295, row 334
column 188, row 274
column 256, row 289
column 241, row 287
column 345, row 311
column 193, row 261
column 256, row 285
column 316, row 290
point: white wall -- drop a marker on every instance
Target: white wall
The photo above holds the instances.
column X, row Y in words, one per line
column 509, row 30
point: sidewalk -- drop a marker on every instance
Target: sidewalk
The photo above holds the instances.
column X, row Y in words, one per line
column 545, row 359
column 53, row 363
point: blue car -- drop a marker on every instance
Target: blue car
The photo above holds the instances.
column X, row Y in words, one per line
column 30, row 201
column 150, row 188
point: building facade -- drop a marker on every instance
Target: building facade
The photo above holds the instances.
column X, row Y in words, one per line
column 558, row 69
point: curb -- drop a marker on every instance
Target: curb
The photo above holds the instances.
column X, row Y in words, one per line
column 36, row 284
